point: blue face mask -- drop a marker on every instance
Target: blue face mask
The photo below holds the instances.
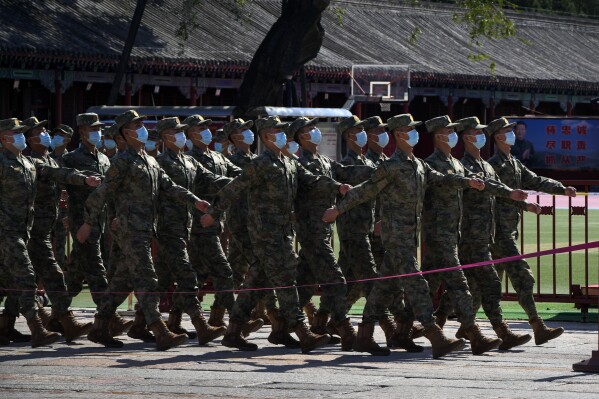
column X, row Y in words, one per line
column 510, row 138
column 315, row 136
column 206, row 136
column 180, row 139
column 150, row 145
column 45, row 139
column 480, row 142
column 57, row 141
column 18, row 141
column 94, row 137
column 110, row 144
column 413, row 137
column 248, row 137
column 189, row 144
column 142, row 134
column 280, row 140
column 452, row 140
column 218, row 147
column 383, row 140
column 361, row 138
column 292, row 147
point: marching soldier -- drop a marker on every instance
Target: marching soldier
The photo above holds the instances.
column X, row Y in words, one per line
column 17, row 198
column 271, row 182
column 134, row 181
column 174, row 224
column 154, row 143
column 400, row 183
column 517, row 176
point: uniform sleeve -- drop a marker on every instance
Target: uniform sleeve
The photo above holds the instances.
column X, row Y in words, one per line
column 311, row 181
column 173, row 190
column 207, row 183
column 97, row 199
column 492, row 186
column 229, row 193
column 367, row 190
column 452, row 180
column 531, row 181
column 353, row 175
column 48, row 173
column 232, row 169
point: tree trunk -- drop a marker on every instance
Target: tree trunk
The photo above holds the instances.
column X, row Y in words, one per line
column 294, row 39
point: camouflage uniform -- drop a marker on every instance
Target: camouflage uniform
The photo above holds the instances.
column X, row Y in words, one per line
column 317, row 259
column 174, row 224
column 206, row 252
column 241, row 253
column 134, row 181
column 18, row 186
column 271, row 182
column 515, row 175
column 86, row 259
column 354, row 227
column 400, row 183
column 376, row 244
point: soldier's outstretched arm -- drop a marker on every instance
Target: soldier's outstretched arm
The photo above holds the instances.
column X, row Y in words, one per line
column 251, row 174
column 310, row 181
column 351, row 174
column 492, row 186
column 532, row 181
column 97, row 199
column 452, row 180
column 232, row 169
column 173, row 190
column 367, row 190
column 207, row 183
column 62, row 175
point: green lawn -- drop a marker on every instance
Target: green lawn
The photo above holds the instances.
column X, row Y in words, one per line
column 511, row 309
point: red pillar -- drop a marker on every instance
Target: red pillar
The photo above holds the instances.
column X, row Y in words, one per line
column 127, row 93
column 57, row 102
column 192, row 96
column 450, row 107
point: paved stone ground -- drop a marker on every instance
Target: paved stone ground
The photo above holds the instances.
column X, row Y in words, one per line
column 87, row 370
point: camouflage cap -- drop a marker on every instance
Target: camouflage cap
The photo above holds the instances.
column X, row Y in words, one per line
column 268, row 122
column 469, row 123
column 89, row 119
column 169, row 123
column 348, row 123
column 66, row 129
column 12, row 124
column 440, row 122
column 236, row 124
column 33, row 123
column 111, row 132
column 402, row 120
column 373, row 122
column 298, row 124
column 126, row 117
column 497, row 125
column 196, row 120
column 154, row 135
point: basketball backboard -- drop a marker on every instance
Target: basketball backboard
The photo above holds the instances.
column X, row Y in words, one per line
column 382, row 83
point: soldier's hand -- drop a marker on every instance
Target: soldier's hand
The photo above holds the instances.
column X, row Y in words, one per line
column 93, row 181
column 533, row 208
column 518, row 195
column 330, row 215
column 207, row 220
column 570, row 191
column 344, row 189
column 114, row 225
column 84, row 232
column 378, row 229
column 65, row 223
column 477, row 184
column 202, row 205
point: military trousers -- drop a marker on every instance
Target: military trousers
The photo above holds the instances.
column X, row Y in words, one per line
column 277, row 267
column 173, row 266
column 208, row 260
column 59, row 235
column 45, row 266
column 86, row 265
column 441, row 255
column 11, row 304
column 317, row 264
column 400, row 260
column 16, row 262
column 134, row 271
column 518, row 272
column 356, row 263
